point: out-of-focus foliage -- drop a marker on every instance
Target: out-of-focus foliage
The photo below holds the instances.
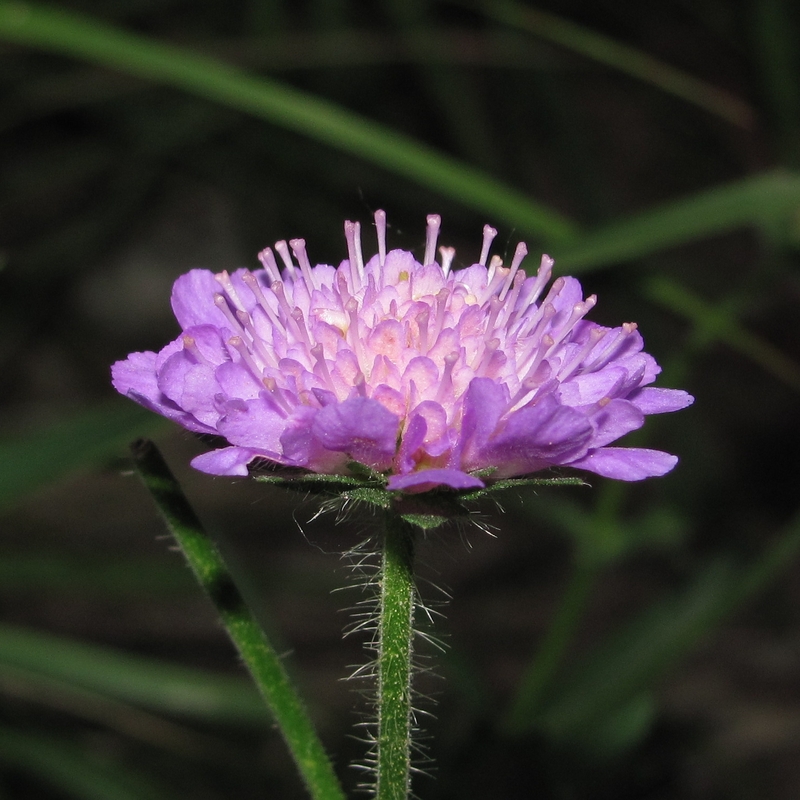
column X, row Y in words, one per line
column 652, row 146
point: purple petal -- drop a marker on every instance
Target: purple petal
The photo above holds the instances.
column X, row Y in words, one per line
column 191, row 386
column 627, row 463
column 236, row 380
column 615, row 420
column 360, row 427
column 253, row 424
column 413, row 438
column 537, row 436
column 193, row 300
column 427, row 479
column 660, row 401
column 136, row 378
column 591, row 387
column 484, row 403
column 225, row 461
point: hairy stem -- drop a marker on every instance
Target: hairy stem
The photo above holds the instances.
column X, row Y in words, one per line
column 258, row 654
column 395, row 632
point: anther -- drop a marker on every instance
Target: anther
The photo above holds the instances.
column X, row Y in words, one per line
column 380, row 227
column 267, row 259
column 224, row 280
column 190, row 345
column 222, row 304
column 283, row 252
column 299, row 249
column 252, row 283
column 352, row 233
column 447, row 254
column 446, row 382
column 319, row 356
column 283, row 406
column 434, row 224
column 239, row 344
column 519, row 256
column 488, row 237
column 494, row 264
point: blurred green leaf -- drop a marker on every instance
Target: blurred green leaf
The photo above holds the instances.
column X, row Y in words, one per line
column 90, row 40
column 717, row 322
column 775, row 33
column 157, row 685
column 767, row 200
column 42, row 573
column 44, row 456
column 622, row 58
column 630, row 663
column 74, row 770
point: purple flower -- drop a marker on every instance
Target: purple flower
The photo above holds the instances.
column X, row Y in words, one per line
column 421, row 372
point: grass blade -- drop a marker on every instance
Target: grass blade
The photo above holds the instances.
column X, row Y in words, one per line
column 81, row 37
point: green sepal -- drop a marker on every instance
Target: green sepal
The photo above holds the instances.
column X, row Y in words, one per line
column 425, row 510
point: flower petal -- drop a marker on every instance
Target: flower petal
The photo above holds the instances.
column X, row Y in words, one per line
column 538, row 436
column 615, row 420
column 627, row 463
column 360, row 427
column 253, row 424
column 193, row 300
column 426, row 479
column 225, row 461
column 659, row 401
column 135, row 377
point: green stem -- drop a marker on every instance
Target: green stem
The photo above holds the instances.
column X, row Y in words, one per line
column 551, row 651
column 260, row 657
column 395, row 631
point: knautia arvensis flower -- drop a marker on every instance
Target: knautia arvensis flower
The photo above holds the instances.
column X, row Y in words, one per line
column 429, row 375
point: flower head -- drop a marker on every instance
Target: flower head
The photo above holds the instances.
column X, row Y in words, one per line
column 426, row 374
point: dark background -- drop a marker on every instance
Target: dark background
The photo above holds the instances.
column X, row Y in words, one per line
column 111, row 187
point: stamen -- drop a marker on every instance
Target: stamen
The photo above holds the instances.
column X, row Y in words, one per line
column 447, row 254
column 534, row 358
column 190, row 345
column 579, row 310
column 299, row 249
column 252, row 283
column 283, row 252
column 302, row 329
column 422, row 324
column 442, row 296
column 494, row 309
column 519, row 256
column 351, row 307
column 319, row 355
column 528, row 386
column 446, row 381
column 494, row 264
column 267, row 259
column 488, row 237
column 222, row 304
column 568, row 369
column 380, row 227
column 532, row 323
column 282, row 403
column 610, row 350
column 239, row 344
column 511, row 301
column 352, row 233
column 489, row 349
column 360, row 384
column 341, row 285
column 224, row 280
column 434, row 224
